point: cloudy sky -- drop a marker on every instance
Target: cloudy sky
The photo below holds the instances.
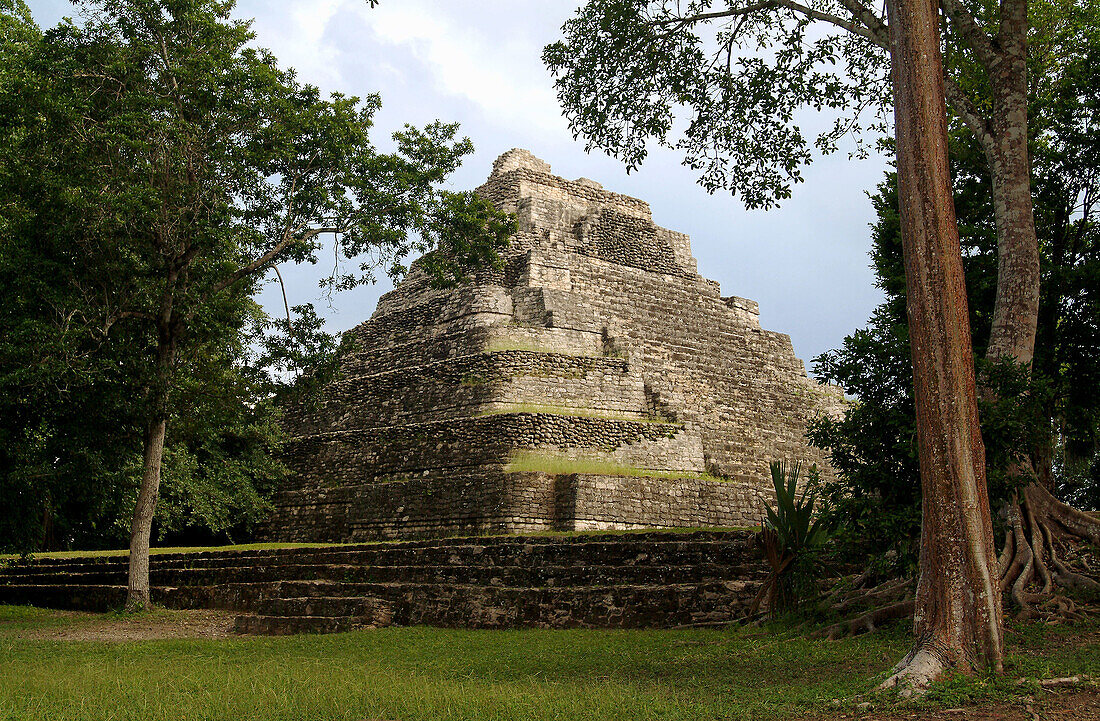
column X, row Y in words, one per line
column 477, row 62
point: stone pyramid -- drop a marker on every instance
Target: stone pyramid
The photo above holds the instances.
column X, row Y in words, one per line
column 596, row 382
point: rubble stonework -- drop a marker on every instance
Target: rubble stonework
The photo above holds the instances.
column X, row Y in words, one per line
column 596, row 382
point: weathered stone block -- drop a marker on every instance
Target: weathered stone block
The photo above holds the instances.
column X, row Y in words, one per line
column 656, row 401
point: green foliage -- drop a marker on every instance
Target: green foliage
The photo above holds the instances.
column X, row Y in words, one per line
column 793, row 537
column 1015, row 421
column 154, row 166
column 1050, row 414
column 726, row 94
column 872, row 447
column 792, row 519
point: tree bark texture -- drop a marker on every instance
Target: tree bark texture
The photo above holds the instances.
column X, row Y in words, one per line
column 1016, row 308
column 957, row 618
column 137, row 594
column 1036, row 521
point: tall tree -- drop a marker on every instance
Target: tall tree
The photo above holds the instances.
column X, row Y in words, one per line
column 623, row 68
column 741, row 70
column 957, row 618
column 1055, row 423
column 195, row 165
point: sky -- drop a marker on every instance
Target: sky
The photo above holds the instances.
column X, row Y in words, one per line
column 477, row 62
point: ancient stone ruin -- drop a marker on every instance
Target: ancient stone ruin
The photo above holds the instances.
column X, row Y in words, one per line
column 596, row 382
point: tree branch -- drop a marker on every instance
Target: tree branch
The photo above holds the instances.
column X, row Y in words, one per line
column 136, row 314
column 861, row 29
column 867, row 17
column 703, row 17
column 968, row 113
column 269, row 257
column 869, row 27
column 286, row 305
column 977, row 38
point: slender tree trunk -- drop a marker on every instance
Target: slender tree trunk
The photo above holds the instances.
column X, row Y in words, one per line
column 1016, row 308
column 1029, row 566
column 957, row 618
column 137, row 595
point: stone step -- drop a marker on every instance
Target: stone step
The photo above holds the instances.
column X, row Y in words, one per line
column 76, row 597
column 644, row 537
column 650, row 579
column 414, row 350
column 447, row 605
column 738, row 549
column 488, row 607
column 286, row 626
column 488, row 574
column 353, row 457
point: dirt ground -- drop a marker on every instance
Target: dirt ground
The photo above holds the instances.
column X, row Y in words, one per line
column 1064, row 704
column 146, row 626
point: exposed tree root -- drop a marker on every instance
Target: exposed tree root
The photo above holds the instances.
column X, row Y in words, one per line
column 1041, row 562
column 1045, row 556
column 867, row 622
column 916, row 672
column 863, row 609
column 1038, row 526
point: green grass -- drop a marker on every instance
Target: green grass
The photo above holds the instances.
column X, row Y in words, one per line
column 497, row 345
column 556, row 465
column 423, row 673
column 1035, row 651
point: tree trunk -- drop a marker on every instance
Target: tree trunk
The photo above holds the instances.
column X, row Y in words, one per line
column 1016, row 308
column 957, row 617
column 137, row 595
column 1035, row 519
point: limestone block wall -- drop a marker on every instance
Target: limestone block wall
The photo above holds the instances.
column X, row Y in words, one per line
column 475, row 384
column 598, row 502
column 384, row 453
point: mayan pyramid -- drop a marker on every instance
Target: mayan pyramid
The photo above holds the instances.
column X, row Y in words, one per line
column 596, row 382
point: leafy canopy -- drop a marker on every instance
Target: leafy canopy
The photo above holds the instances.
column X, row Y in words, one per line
column 154, row 168
column 723, row 85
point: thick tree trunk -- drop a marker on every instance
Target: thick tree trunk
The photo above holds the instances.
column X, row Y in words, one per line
column 957, row 617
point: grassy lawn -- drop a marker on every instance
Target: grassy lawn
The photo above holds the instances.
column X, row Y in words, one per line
column 424, row 673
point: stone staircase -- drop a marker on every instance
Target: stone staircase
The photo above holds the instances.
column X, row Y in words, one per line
column 650, row 579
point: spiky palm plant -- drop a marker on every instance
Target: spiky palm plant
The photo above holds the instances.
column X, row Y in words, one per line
column 792, row 536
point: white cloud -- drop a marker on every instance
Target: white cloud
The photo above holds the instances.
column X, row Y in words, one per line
column 504, row 78
column 295, row 32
